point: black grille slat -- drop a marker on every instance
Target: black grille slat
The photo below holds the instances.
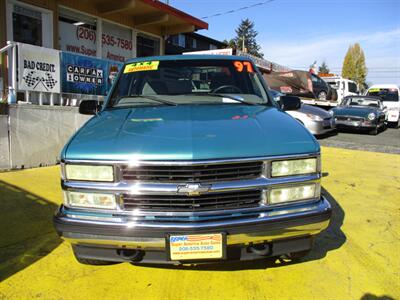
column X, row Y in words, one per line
column 180, row 203
column 204, row 172
column 196, row 168
column 193, row 173
column 212, row 201
column 189, row 198
column 184, row 177
column 196, row 204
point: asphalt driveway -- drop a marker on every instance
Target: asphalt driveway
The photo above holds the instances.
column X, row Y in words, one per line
column 357, row 257
column 387, row 141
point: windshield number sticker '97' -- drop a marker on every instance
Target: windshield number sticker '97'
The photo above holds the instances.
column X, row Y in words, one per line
column 141, row 66
column 243, row 66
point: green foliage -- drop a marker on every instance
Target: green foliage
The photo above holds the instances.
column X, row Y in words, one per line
column 354, row 67
column 230, row 44
column 323, row 68
column 246, row 32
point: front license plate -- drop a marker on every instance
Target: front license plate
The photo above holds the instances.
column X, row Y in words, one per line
column 196, row 246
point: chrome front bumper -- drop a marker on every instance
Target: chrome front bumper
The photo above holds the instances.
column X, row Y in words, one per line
column 301, row 220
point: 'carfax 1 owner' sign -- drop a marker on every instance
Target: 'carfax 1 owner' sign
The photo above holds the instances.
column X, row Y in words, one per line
column 38, row 69
column 87, row 75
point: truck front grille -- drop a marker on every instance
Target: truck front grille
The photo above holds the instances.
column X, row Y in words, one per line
column 193, row 173
column 209, row 201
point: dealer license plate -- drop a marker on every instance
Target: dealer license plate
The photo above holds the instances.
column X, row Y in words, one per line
column 196, row 246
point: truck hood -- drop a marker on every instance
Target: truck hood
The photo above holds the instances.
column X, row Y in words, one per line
column 189, row 132
column 353, row 111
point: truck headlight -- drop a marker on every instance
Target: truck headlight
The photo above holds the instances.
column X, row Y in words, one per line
column 371, row 116
column 293, row 167
column 90, row 200
column 294, row 193
column 89, row 173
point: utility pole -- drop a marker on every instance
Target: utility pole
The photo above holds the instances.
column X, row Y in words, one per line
column 243, row 48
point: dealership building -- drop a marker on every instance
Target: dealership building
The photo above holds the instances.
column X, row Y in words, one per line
column 102, row 31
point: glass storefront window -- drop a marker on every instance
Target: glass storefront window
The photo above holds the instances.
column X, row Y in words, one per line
column 27, row 25
column 116, row 42
column 147, row 45
column 77, row 33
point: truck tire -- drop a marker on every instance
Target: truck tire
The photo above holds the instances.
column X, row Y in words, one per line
column 322, row 95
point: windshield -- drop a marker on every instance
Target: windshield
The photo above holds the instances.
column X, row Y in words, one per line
column 361, row 102
column 183, row 81
column 384, row 94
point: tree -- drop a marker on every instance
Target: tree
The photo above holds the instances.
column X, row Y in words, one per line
column 246, row 35
column 354, row 67
column 324, row 69
column 230, row 44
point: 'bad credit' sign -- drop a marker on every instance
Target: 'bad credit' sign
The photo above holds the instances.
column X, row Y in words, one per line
column 38, row 69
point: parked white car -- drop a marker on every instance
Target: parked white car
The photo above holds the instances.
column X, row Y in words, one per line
column 390, row 96
column 317, row 120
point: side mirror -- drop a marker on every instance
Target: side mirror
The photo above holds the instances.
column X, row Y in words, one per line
column 89, row 107
column 290, row 102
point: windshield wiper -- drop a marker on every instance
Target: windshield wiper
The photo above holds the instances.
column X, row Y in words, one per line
column 150, row 97
column 232, row 97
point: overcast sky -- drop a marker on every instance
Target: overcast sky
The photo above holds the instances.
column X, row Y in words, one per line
column 297, row 32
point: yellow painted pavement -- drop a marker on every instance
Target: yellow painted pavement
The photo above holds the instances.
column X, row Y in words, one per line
column 358, row 257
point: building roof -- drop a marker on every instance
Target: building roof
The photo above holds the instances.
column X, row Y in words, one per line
column 208, row 39
column 147, row 15
column 199, row 24
column 188, row 57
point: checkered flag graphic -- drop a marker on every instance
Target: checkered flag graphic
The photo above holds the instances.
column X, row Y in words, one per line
column 30, row 79
column 49, row 81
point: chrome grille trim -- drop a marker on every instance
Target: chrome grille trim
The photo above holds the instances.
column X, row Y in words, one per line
column 189, row 162
column 212, row 172
column 208, row 201
column 120, row 187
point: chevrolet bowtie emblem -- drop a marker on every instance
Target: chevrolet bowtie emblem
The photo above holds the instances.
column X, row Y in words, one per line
column 193, row 189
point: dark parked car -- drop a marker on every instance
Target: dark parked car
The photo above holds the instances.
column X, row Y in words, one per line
column 300, row 83
column 360, row 112
column 321, row 89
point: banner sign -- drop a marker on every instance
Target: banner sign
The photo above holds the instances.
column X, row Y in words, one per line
column 263, row 63
column 227, row 51
column 87, row 75
column 38, row 69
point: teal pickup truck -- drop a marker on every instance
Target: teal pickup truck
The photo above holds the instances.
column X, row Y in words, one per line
column 190, row 160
